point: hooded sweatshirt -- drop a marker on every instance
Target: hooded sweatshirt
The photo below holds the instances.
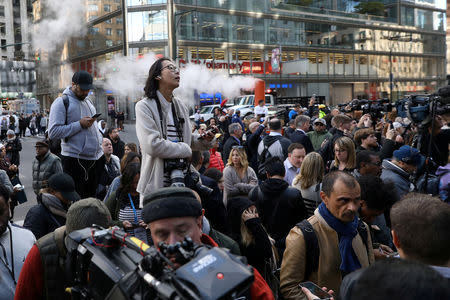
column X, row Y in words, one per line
column 83, row 143
column 444, row 182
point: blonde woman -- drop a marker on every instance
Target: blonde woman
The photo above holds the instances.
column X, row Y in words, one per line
column 238, row 177
column 344, row 155
column 308, row 181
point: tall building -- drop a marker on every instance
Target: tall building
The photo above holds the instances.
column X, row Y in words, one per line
column 17, row 68
column 339, row 49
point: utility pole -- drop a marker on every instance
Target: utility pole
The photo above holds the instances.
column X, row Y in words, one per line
column 125, row 27
column 172, row 29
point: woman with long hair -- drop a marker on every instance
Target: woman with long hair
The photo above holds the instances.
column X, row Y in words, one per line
column 123, row 204
column 238, row 177
column 344, row 155
column 163, row 128
column 131, row 157
column 249, row 233
column 308, row 181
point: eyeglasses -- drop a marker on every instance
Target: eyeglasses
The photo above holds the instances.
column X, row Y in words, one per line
column 237, row 147
column 171, row 68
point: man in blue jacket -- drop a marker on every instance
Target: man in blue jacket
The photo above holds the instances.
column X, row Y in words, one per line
column 72, row 120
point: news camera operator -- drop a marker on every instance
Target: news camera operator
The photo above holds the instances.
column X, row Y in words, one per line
column 173, row 214
column 163, row 129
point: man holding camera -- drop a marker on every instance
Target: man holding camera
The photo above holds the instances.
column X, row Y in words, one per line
column 73, row 121
column 163, row 129
column 174, row 213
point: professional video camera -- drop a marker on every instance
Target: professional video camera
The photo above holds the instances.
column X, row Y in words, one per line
column 108, row 264
column 375, row 108
column 421, row 109
column 176, row 167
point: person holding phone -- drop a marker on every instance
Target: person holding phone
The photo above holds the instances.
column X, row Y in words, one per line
column 73, row 120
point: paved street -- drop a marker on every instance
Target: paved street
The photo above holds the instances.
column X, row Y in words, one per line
column 26, row 161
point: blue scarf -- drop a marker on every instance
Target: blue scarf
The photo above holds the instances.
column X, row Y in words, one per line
column 346, row 233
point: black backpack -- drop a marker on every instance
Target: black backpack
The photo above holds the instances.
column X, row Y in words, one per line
column 312, row 244
column 262, row 158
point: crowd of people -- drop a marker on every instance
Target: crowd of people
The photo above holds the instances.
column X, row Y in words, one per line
column 329, row 197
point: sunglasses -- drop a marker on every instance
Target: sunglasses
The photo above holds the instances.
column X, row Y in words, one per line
column 238, row 147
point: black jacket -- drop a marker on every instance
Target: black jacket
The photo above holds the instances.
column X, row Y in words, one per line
column 278, row 146
column 300, row 137
column 13, row 152
column 230, row 142
column 118, row 148
column 41, row 221
column 252, row 146
column 280, row 207
column 327, row 151
column 215, row 210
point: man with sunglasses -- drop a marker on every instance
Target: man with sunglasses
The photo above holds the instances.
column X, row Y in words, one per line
column 319, row 134
column 367, row 163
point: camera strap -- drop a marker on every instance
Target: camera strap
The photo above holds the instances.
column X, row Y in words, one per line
column 176, row 121
column 134, row 209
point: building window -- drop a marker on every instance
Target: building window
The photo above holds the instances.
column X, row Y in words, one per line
column 106, row 7
column 92, row 7
column 119, row 32
column 119, row 20
column 109, row 21
column 2, row 11
column 92, row 44
column 92, row 18
column 93, row 30
column 109, row 43
column 108, row 31
column 3, row 42
column 2, row 28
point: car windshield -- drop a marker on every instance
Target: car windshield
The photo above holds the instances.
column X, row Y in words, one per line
column 206, row 109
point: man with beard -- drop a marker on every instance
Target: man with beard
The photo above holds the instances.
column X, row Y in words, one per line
column 366, row 140
column 73, row 121
column 399, row 169
column 15, row 242
column 117, row 144
column 276, row 201
column 339, row 237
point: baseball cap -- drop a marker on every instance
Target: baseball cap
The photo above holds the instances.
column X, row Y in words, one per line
column 408, row 155
column 63, row 183
column 320, row 120
column 83, row 79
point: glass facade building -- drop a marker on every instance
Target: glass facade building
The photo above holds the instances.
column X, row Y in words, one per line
column 339, row 49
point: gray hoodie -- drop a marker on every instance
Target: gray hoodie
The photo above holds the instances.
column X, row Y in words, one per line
column 82, row 143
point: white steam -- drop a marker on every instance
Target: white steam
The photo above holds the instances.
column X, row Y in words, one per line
column 61, row 20
column 126, row 76
column 200, row 78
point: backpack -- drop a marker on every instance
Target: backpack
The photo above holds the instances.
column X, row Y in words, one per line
column 432, row 185
column 312, row 244
column 262, row 158
column 66, row 105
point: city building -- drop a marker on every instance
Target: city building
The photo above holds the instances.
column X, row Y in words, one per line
column 339, row 49
column 17, row 67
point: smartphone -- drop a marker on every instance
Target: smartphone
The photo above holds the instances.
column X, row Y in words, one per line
column 96, row 116
column 316, row 290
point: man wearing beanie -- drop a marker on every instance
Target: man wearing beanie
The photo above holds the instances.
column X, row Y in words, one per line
column 43, row 273
column 399, row 169
column 174, row 213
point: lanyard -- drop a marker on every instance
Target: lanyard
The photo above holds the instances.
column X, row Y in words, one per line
column 134, row 209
